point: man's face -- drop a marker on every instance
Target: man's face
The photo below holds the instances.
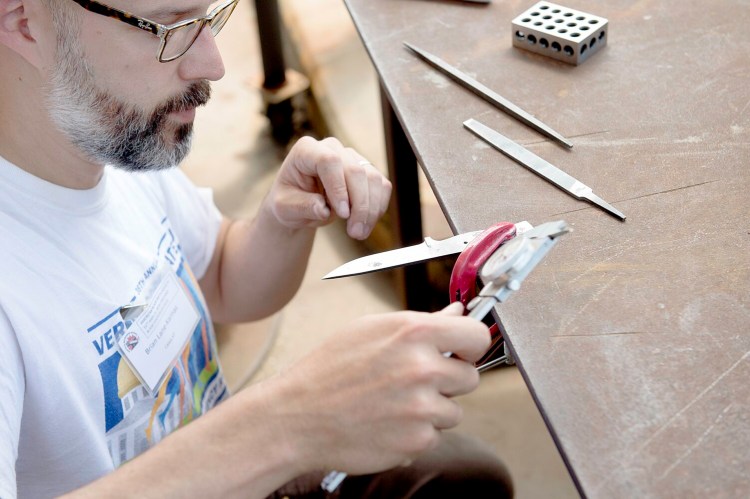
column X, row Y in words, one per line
column 125, row 126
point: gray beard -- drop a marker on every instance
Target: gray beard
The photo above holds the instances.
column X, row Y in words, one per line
column 106, row 129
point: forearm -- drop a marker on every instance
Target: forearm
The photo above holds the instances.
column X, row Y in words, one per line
column 236, row 450
column 259, row 267
column 391, row 406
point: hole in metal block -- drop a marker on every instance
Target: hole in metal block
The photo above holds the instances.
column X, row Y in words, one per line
column 568, row 14
column 575, row 35
column 572, row 25
column 583, row 49
column 535, row 13
column 555, row 11
column 538, row 23
column 593, row 42
column 601, row 35
column 544, row 7
column 580, row 18
column 562, row 30
column 520, row 35
column 543, row 42
column 549, row 27
column 584, row 28
column 558, row 20
column 526, row 20
column 593, row 21
column 556, row 46
column 568, row 50
column 531, row 39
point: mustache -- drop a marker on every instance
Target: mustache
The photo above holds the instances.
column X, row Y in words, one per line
column 142, row 133
column 197, row 94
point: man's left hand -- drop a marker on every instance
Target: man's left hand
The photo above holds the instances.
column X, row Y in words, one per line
column 321, row 179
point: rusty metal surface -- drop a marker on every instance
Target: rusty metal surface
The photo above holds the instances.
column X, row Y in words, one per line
column 634, row 337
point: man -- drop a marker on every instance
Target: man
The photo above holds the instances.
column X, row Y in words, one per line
column 114, row 265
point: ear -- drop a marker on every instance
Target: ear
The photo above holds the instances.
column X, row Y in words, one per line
column 15, row 32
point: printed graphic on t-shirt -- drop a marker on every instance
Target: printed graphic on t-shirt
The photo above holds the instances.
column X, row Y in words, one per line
column 134, row 420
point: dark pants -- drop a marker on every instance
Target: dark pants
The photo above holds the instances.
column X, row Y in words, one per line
column 459, row 467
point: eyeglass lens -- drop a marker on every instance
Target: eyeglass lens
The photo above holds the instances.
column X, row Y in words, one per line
column 179, row 40
column 221, row 19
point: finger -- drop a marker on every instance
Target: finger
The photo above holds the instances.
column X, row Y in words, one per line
column 303, row 208
column 448, row 414
column 467, row 338
column 324, row 160
column 455, row 308
column 458, row 377
column 379, row 193
column 331, row 174
column 359, row 196
column 376, row 186
column 373, row 197
column 334, row 143
column 385, row 197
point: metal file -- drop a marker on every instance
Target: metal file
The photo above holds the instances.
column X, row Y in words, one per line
column 539, row 166
column 489, row 95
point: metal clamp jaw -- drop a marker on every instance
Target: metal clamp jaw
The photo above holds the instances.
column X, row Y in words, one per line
column 511, row 263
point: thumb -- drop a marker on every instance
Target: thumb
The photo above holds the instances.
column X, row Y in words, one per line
column 302, row 209
column 455, row 308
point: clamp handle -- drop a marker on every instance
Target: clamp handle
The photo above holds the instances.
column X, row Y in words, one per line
column 463, row 283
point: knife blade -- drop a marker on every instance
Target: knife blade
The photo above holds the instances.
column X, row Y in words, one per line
column 489, row 95
column 427, row 250
column 546, row 170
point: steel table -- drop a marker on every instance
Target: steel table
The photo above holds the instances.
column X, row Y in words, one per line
column 633, row 337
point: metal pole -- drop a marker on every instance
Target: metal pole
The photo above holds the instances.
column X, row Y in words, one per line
column 406, row 208
column 272, row 53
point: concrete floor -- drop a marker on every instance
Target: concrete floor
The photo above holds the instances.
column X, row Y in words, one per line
column 235, row 155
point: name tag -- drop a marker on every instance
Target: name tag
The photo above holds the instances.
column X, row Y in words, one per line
column 159, row 331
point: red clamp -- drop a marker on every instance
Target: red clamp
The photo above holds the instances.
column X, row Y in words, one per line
column 464, row 283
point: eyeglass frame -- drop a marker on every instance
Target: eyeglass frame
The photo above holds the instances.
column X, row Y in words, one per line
column 158, row 29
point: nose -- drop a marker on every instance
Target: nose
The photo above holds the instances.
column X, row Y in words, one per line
column 203, row 60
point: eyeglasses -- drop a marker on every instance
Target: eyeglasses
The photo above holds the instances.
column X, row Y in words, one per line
column 177, row 38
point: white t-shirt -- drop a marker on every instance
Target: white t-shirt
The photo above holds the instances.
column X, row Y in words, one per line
column 71, row 410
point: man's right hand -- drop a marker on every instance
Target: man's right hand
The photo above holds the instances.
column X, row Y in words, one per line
column 378, row 394
column 370, row 398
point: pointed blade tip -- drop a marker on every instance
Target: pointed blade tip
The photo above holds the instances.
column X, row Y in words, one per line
column 340, row 272
column 335, row 274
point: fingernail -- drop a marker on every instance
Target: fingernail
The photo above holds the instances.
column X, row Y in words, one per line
column 358, row 230
column 322, row 212
column 344, row 209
